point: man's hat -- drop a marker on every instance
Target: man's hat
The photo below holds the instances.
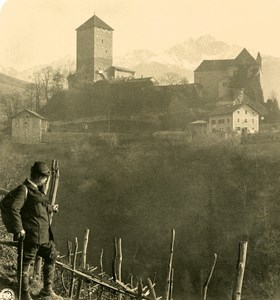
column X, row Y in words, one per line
column 40, row 167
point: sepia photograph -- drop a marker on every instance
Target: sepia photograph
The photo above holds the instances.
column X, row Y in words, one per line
column 139, row 150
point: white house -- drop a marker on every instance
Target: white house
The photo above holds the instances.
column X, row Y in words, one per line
column 240, row 118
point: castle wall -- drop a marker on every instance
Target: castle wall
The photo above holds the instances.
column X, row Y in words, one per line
column 94, row 52
column 103, row 49
column 210, row 82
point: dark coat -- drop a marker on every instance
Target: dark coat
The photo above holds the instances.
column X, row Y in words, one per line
column 31, row 213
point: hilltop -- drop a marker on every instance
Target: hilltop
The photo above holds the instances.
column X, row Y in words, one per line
column 11, row 85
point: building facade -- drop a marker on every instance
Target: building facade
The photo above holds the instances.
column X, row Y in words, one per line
column 242, row 118
column 27, row 127
column 94, row 49
column 221, row 79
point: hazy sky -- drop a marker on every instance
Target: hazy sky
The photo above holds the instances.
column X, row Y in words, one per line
column 40, row 31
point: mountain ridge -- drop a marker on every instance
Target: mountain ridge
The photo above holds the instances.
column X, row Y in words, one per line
column 182, row 59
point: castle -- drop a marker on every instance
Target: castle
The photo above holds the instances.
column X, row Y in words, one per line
column 94, row 58
column 223, row 80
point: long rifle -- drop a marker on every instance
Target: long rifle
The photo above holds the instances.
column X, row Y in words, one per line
column 54, row 184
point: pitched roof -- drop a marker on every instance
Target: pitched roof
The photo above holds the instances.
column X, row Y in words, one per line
column 229, row 109
column 199, row 122
column 31, row 112
column 121, row 69
column 94, row 21
column 245, row 57
column 215, row 65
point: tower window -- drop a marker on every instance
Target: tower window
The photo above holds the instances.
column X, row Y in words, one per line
column 102, row 41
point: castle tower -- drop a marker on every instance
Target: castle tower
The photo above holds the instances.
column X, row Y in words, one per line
column 94, row 49
column 259, row 60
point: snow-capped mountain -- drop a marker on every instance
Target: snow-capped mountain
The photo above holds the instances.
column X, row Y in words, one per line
column 181, row 59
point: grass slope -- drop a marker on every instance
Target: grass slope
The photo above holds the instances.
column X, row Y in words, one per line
column 10, row 85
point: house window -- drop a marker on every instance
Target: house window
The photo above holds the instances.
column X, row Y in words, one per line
column 245, row 120
column 228, row 120
column 238, row 111
column 253, row 112
column 253, row 121
column 213, row 122
column 238, row 128
column 245, row 111
column 224, row 84
column 102, row 41
column 253, row 128
column 221, row 121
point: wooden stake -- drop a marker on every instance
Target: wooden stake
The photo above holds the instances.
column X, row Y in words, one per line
column 84, row 263
column 69, row 250
column 167, row 293
column 240, row 270
column 171, row 284
column 101, row 261
column 71, row 291
column 114, row 271
column 119, row 260
column 152, row 290
column 205, row 287
column 85, row 245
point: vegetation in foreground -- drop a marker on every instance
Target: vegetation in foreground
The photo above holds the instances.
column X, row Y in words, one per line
column 214, row 195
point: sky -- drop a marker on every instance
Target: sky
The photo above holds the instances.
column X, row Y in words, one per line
column 35, row 32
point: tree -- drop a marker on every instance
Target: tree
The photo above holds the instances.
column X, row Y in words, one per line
column 11, row 104
column 47, row 82
column 172, row 78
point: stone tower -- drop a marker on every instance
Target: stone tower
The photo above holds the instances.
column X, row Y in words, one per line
column 94, row 49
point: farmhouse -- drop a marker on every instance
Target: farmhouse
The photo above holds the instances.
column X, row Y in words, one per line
column 240, row 118
column 27, row 127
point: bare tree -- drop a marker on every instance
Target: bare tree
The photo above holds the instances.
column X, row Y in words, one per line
column 173, row 78
column 46, row 78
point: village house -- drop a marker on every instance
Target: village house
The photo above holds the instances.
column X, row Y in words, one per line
column 27, row 127
column 240, row 118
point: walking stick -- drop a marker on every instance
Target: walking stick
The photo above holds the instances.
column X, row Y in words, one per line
column 20, row 266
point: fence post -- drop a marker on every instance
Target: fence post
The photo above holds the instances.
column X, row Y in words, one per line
column 240, row 270
column 71, row 291
column 205, row 287
column 84, row 263
column 167, row 293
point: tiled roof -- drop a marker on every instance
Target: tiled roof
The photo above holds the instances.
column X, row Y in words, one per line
column 95, row 22
column 121, row 69
column 31, row 112
column 245, row 57
column 216, row 65
column 229, row 109
column 199, row 122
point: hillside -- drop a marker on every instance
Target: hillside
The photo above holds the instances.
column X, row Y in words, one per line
column 212, row 195
column 10, row 85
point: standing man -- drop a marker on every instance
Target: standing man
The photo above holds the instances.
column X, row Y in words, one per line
column 30, row 217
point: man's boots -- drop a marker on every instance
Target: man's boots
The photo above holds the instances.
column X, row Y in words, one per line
column 25, row 294
column 47, row 291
